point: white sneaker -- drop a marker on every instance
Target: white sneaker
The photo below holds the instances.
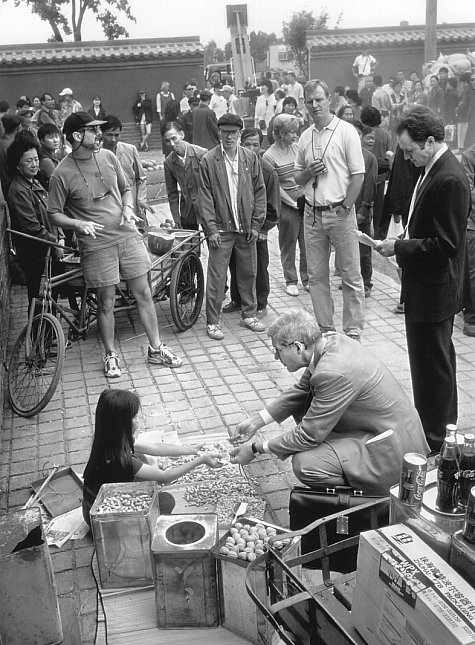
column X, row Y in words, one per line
column 292, row 290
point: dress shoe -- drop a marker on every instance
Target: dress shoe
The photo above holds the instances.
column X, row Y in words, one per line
column 231, row 307
column 469, row 330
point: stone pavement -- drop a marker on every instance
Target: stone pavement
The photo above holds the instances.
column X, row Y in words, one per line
column 219, row 383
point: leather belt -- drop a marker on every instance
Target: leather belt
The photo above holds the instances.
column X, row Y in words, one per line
column 327, row 207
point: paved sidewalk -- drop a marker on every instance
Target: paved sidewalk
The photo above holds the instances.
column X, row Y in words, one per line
column 219, row 383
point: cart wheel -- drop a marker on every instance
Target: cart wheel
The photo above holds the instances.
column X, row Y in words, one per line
column 187, row 287
column 34, row 375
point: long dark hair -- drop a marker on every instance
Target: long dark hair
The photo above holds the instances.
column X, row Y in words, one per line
column 113, row 434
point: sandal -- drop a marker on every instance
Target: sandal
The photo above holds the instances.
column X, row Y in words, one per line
column 111, row 365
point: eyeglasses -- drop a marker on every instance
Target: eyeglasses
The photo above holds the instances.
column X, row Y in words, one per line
column 277, row 350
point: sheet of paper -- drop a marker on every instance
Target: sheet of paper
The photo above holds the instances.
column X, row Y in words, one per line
column 69, row 526
column 366, row 239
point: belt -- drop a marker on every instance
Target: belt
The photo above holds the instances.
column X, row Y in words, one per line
column 327, row 207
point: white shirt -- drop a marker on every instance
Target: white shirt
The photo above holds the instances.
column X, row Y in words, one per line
column 419, row 183
column 184, row 105
column 218, row 105
column 232, row 172
column 265, row 109
column 364, row 64
column 338, row 144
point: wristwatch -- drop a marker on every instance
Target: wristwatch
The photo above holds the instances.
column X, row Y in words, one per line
column 346, row 208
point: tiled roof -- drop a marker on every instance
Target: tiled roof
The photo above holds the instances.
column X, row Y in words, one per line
column 387, row 36
column 96, row 51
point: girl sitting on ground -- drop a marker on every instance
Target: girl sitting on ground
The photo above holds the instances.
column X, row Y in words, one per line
column 112, row 458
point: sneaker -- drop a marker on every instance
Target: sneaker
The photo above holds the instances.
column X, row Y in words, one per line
column 163, row 356
column 367, row 292
column 356, row 337
column 262, row 312
column 254, row 324
column 215, row 332
column 292, row 290
column 399, row 309
column 306, row 287
column 111, row 365
column 231, row 307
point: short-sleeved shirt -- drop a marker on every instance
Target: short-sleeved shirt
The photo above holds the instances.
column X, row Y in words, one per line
column 107, row 473
column 338, row 144
column 284, row 163
column 91, row 190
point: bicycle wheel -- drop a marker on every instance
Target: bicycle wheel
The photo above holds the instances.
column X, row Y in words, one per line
column 33, row 377
column 186, row 291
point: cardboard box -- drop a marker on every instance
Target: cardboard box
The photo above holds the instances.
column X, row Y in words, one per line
column 405, row 593
column 123, row 538
column 239, row 614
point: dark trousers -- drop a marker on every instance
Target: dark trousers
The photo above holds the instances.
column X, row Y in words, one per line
column 469, row 313
column 434, row 376
column 262, row 276
column 366, row 258
column 378, row 209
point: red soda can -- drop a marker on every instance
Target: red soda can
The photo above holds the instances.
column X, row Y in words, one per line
column 413, row 479
column 468, row 530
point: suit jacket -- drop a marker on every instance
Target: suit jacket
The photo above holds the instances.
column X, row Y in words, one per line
column 205, row 127
column 434, row 281
column 187, row 177
column 216, row 213
column 345, row 398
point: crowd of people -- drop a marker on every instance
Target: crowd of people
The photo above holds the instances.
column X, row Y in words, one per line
column 328, row 168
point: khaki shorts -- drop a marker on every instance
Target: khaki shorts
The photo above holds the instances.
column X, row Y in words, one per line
column 124, row 261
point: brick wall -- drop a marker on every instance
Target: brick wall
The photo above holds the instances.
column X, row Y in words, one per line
column 4, row 303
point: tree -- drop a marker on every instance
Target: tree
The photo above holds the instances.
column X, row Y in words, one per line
column 295, row 34
column 54, row 12
column 213, row 53
column 259, row 43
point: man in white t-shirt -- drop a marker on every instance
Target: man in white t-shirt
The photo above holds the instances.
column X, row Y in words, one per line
column 330, row 167
column 295, row 89
column 363, row 66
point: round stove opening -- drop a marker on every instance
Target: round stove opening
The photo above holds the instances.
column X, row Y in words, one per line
column 185, row 532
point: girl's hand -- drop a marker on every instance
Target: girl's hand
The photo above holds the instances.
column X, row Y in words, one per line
column 211, row 459
column 194, row 449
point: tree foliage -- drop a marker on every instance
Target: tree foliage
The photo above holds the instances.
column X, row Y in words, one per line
column 66, row 16
column 295, row 34
column 213, row 53
column 259, row 43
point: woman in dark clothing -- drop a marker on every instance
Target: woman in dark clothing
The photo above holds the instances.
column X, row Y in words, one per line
column 112, row 458
column 27, row 204
column 97, row 111
column 143, row 111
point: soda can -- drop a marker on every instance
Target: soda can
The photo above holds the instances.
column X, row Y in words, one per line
column 413, row 479
column 468, row 530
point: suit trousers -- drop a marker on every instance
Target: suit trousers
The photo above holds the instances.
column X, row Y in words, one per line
column 318, row 466
column 434, row 378
column 322, row 229
column 262, row 277
column 246, row 268
column 469, row 313
column 291, row 231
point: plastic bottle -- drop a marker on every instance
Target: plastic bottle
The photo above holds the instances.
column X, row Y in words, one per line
column 466, row 478
column 446, row 476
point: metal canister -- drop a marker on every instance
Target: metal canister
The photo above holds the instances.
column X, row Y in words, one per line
column 468, row 530
column 413, row 479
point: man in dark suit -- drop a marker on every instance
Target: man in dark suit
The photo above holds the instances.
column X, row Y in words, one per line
column 205, row 123
column 432, row 256
column 232, row 212
column 182, row 169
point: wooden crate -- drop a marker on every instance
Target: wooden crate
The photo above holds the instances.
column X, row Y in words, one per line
column 123, row 539
column 239, row 614
column 186, row 591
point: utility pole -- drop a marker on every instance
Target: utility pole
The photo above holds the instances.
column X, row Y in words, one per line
column 430, row 46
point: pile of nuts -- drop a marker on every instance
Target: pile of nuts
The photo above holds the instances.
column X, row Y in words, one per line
column 150, row 164
column 246, row 541
column 125, row 503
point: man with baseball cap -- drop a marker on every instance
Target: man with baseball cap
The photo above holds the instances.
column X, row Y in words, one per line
column 90, row 194
column 233, row 209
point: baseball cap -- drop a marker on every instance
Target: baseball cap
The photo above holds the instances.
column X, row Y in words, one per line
column 67, row 90
column 227, row 88
column 230, row 122
column 79, row 120
column 23, row 111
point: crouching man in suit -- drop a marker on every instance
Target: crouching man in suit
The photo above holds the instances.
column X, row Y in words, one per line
column 434, row 279
column 354, row 420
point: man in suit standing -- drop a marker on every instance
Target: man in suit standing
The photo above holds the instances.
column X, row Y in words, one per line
column 205, row 123
column 432, row 256
column 232, row 212
column 182, row 169
column 354, row 420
